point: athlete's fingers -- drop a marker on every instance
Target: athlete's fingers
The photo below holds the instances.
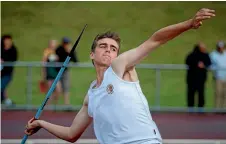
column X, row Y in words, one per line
column 203, row 18
column 205, row 14
column 209, row 10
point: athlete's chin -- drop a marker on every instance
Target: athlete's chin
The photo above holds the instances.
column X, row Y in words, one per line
column 106, row 63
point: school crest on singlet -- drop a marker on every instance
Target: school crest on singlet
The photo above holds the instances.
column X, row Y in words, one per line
column 110, row 89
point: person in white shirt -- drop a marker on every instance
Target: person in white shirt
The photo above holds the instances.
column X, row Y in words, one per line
column 218, row 58
column 115, row 102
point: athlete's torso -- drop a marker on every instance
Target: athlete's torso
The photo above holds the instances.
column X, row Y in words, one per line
column 120, row 112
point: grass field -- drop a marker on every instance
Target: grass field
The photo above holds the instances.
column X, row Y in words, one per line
column 32, row 24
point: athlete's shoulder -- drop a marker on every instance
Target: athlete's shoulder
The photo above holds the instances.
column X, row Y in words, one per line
column 92, row 83
column 130, row 74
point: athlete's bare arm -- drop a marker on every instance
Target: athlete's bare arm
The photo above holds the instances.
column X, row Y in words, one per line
column 72, row 133
column 129, row 59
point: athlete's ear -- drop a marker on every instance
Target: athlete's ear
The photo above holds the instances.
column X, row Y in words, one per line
column 91, row 55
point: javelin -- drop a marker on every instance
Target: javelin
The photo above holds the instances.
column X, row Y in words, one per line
column 38, row 114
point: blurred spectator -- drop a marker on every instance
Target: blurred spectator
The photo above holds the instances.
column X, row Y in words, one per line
column 198, row 61
column 49, row 73
column 62, row 52
column 218, row 58
column 8, row 54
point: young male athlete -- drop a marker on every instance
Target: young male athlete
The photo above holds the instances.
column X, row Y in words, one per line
column 115, row 102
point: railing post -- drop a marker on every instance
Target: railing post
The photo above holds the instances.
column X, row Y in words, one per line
column 29, row 87
column 157, row 87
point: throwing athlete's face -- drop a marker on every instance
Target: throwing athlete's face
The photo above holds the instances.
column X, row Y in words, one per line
column 105, row 52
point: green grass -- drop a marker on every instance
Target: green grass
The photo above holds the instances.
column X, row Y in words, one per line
column 32, row 24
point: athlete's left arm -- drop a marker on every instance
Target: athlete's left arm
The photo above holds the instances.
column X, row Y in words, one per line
column 132, row 57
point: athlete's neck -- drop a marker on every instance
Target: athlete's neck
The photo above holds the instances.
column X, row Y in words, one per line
column 100, row 75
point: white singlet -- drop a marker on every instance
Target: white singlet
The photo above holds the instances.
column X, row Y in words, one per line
column 120, row 112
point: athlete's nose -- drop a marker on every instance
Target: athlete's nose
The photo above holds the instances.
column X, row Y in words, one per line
column 107, row 49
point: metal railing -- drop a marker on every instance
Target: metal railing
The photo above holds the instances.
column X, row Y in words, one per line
column 157, row 67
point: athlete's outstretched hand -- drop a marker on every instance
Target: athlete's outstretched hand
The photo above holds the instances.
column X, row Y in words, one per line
column 32, row 127
column 201, row 15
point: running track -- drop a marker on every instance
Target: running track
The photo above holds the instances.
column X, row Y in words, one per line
column 171, row 125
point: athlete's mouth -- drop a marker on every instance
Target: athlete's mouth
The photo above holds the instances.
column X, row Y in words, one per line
column 107, row 56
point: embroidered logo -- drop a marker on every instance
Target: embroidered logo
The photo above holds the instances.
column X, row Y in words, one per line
column 110, row 89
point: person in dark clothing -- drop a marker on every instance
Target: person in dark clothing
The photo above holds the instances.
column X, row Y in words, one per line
column 197, row 61
column 64, row 49
column 8, row 54
column 62, row 52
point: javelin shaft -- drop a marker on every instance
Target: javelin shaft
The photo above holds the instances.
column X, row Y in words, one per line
column 53, row 86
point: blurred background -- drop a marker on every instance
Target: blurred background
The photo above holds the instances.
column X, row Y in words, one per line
column 36, row 36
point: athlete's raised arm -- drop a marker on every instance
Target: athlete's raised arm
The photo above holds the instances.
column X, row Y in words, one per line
column 132, row 57
column 72, row 133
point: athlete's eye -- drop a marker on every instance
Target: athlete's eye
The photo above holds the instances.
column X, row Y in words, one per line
column 113, row 49
column 102, row 46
